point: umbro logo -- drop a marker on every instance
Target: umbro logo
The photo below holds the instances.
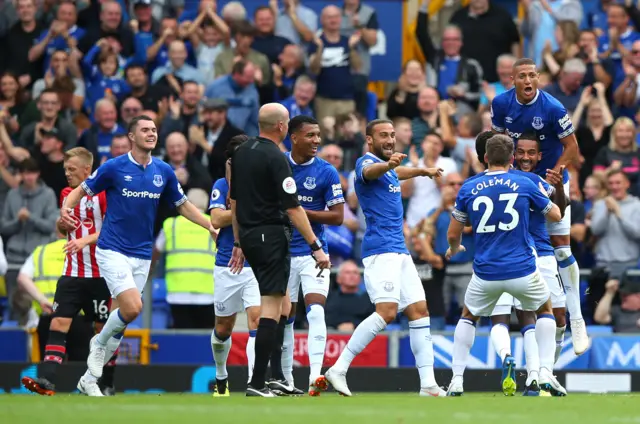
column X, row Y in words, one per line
column 128, row 178
column 508, row 120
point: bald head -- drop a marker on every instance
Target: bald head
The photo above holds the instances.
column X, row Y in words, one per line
column 271, row 114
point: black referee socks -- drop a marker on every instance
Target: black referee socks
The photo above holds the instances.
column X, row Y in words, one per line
column 276, row 353
column 265, row 338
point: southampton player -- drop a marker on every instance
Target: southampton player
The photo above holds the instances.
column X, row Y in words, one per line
column 134, row 184
column 497, row 205
column 320, row 194
column 233, row 292
column 80, row 287
column 525, row 109
column 390, row 277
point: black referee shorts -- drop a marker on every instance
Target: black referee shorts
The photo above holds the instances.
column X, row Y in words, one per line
column 267, row 251
column 88, row 294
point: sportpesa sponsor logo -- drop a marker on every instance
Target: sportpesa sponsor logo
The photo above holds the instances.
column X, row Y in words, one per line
column 143, row 194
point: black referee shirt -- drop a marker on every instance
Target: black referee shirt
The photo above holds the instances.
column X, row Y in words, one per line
column 262, row 184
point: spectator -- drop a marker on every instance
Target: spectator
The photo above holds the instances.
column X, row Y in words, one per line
column 299, row 103
column 461, row 142
column 295, row 22
column 177, row 65
column 424, row 193
column 265, row 40
column 334, row 155
column 120, row 145
column 403, row 100
column 240, row 93
column 621, row 153
column 139, row 84
column 12, row 99
column 50, row 158
column 210, row 44
column 349, row 137
column 568, row 88
column 567, row 38
column 210, row 138
column 340, row 238
column 190, row 172
column 130, row 108
column 540, row 19
column 233, row 13
column 63, row 34
column 143, row 22
column 290, row 66
column 9, row 177
column 596, row 132
column 49, row 106
column 617, row 42
column 110, row 26
column 403, row 135
column 578, row 231
column 243, row 36
column 488, row 32
column 616, row 224
column 348, row 305
column 428, row 118
column 91, row 13
column 183, row 113
column 59, row 69
column 504, row 66
column 595, row 188
column 333, row 58
column 454, row 76
column 191, row 15
column 626, row 95
column 17, row 42
column 156, row 55
column 598, row 70
column 28, row 218
column 620, row 306
column 97, row 139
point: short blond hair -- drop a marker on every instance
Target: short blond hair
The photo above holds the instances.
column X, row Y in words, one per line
column 79, row 152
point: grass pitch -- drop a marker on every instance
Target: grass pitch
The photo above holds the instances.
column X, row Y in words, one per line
column 329, row 408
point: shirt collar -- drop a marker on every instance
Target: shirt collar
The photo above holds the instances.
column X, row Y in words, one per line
column 532, row 101
column 495, row 172
column 307, row 163
column 134, row 161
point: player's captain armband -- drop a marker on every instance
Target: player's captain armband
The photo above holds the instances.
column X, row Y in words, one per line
column 366, row 163
column 459, row 216
column 337, row 189
column 565, row 121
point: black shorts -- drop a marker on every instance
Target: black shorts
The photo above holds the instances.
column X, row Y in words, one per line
column 267, row 251
column 90, row 295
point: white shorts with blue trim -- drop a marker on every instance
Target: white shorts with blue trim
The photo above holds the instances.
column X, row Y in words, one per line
column 304, row 273
column 122, row 272
column 233, row 293
column 562, row 228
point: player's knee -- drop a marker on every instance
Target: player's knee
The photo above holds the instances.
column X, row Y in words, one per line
column 560, row 315
column 60, row 324
column 560, row 240
column 253, row 317
column 224, row 328
column 130, row 308
column 292, row 311
column 388, row 311
column 526, row 317
column 501, row 319
column 545, row 308
column 286, row 305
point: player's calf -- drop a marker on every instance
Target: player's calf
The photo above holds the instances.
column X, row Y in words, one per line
column 527, row 321
column 317, row 341
column 220, row 347
column 560, row 315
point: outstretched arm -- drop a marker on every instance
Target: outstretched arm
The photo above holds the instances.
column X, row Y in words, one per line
column 406, row 172
column 193, row 214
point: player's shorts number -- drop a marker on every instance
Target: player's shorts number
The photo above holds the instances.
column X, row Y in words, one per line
column 100, row 308
column 510, row 198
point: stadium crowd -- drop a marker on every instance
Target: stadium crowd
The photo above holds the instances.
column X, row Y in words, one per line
column 75, row 74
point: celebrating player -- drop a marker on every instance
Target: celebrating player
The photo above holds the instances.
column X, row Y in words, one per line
column 320, row 194
column 390, row 276
column 81, row 287
column 233, row 292
column 497, row 204
column 134, row 184
column 525, row 109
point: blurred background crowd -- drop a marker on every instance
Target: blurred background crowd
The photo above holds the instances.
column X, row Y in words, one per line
column 74, row 73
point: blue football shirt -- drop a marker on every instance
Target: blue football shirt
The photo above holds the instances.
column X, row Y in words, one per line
column 381, row 203
column 319, row 187
column 224, row 242
column 133, row 195
column 544, row 115
column 498, row 204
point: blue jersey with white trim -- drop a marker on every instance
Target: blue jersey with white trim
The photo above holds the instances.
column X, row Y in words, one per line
column 381, row 203
column 133, row 195
column 224, row 242
column 498, row 205
column 544, row 115
column 319, row 187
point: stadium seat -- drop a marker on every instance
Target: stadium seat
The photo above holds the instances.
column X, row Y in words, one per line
column 159, row 291
column 372, row 106
column 160, row 318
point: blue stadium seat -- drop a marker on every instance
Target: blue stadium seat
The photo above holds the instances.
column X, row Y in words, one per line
column 160, row 318
column 159, row 291
column 372, row 106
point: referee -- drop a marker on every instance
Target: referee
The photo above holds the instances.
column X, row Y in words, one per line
column 264, row 200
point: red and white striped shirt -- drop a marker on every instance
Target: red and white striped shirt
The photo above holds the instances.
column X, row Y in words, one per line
column 89, row 215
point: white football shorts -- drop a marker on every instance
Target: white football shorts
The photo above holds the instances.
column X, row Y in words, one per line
column 548, row 267
column 392, row 277
column 122, row 272
column 562, row 228
column 233, row 293
column 304, row 273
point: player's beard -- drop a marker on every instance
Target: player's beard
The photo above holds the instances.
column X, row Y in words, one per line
column 146, row 147
column 379, row 152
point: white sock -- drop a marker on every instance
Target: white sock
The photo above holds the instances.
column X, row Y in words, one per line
column 288, row 350
column 559, row 342
column 531, row 353
column 114, row 327
column 251, row 352
column 220, row 349
column 545, row 336
column 501, row 340
column 463, row 339
column 316, row 339
column 89, row 378
column 570, row 275
column 361, row 337
column 422, row 348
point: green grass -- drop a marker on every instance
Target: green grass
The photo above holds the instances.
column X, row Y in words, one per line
column 329, row 408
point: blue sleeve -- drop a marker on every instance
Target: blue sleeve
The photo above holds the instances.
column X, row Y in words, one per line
column 100, row 180
column 545, row 185
column 333, row 193
column 219, row 192
column 460, row 207
column 603, row 43
column 43, row 34
column 561, row 121
column 312, row 48
column 497, row 115
column 173, row 190
column 539, row 201
column 360, row 167
column 142, row 42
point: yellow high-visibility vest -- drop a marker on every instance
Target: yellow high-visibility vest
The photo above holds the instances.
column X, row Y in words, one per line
column 48, row 264
column 190, row 257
